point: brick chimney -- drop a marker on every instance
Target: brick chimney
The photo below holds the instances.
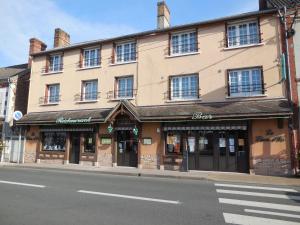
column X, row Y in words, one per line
column 163, row 15
column 35, row 46
column 61, row 38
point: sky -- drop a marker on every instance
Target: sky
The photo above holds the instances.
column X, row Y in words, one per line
column 88, row 20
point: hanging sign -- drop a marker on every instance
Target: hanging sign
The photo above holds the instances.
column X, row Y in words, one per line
column 135, row 130
column 105, row 141
column 201, row 116
column 62, row 120
column 110, row 129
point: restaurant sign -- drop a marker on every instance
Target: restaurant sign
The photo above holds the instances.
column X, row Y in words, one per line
column 201, row 116
column 62, row 120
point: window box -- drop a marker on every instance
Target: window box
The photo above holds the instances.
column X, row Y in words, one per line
column 246, row 82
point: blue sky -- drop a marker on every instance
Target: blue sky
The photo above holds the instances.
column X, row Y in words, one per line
column 94, row 19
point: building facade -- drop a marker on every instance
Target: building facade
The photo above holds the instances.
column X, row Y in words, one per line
column 202, row 96
column 14, row 87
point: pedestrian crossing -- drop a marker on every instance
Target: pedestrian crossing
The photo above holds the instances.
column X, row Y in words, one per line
column 258, row 205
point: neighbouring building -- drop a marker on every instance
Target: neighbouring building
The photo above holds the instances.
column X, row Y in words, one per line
column 202, row 96
column 14, row 86
column 288, row 12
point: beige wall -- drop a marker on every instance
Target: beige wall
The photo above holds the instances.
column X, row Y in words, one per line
column 153, row 68
column 270, row 157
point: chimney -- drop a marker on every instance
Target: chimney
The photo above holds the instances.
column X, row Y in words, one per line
column 163, row 15
column 35, row 46
column 61, row 38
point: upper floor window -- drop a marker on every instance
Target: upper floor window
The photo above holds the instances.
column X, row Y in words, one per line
column 89, row 90
column 245, row 82
column 3, row 100
column 184, row 43
column 91, row 57
column 184, row 87
column 124, row 87
column 52, row 93
column 125, row 52
column 245, row 33
column 55, row 63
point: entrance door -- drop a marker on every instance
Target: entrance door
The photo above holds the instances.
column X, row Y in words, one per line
column 242, row 153
column 75, row 148
column 127, row 148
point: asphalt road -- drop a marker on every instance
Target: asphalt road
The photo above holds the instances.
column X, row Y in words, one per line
column 50, row 197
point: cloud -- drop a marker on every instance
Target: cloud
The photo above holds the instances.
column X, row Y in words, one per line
column 23, row 19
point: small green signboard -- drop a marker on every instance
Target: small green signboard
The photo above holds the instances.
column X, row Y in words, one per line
column 105, row 140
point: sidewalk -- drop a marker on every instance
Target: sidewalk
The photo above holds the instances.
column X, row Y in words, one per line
column 192, row 175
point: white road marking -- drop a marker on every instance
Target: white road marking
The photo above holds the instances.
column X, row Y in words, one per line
column 130, row 197
column 256, row 187
column 272, row 213
column 22, row 184
column 260, row 204
column 267, row 195
column 252, row 220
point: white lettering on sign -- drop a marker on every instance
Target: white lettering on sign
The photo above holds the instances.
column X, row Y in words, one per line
column 62, row 120
column 201, row 116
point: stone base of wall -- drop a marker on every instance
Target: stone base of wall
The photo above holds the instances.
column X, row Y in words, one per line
column 149, row 161
column 105, row 159
column 86, row 163
column 29, row 156
column 271, row 167
column 52, row 161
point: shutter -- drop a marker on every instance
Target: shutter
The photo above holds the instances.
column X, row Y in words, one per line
column 100, row 48
column 169, row 44
column 197, row 42
column 46, row 94
column 169, row 88
column 259, row 31
column 226, row 35
column 61, row 66
column 47, row 63
column 113, row 53
column 262, row 80
column 228, row 83
column 81, row 58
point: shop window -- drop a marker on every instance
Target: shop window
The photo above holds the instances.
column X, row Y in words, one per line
column 54, row 141
column 205, row 143
column 231, row 146
column 174, row 145
column 89, row 142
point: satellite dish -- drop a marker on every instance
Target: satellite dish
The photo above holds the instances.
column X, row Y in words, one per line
column 17, row 115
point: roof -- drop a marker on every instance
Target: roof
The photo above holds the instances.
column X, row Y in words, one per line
column 283, row 3
column 276, row 108
column 6, row 72
column 156, row 31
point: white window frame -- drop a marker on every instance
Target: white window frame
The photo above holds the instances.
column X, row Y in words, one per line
column 192, row 94
column 238, row 39
column 122, row 47
column 91, row 62
column 179, row 49
column 126, row 90
column 55, row 63
column 3, row 100
column 55, row 98
column 240, row 89
column 94, row 95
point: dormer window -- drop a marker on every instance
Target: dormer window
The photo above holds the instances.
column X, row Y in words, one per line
column 55, row 63
column 243, row 33
column 125, row 52
column 184, row 42
column 91, row 57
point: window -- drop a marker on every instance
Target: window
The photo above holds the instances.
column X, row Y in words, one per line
column 245, row 82
column 205, row 143
column 54, row 141
column 184, row 87
column 126, row 52
column 89, row 142
column 125, row 87
column 3, row 100
column 53, row 93
column 174, row 145
column 91, row 57
column 184, row 43
column 55, row 63
column 243, row 34
column 89, row 90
